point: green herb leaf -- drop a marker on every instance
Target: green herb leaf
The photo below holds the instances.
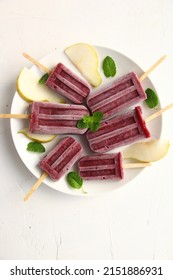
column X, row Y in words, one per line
column 43, row 79
column 94, row 126
column 152, row 99
column 97, row 116
column 81, row 124
column 87, row 119
column 91, row 122
column 35, row 147
column 109, row 67
column 74, row 180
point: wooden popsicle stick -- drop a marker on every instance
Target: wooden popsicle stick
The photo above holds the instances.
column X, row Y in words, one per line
column 15, row 116
column 36, row 185
column 37, row 63
column 158, row 113
column 147, row 119
column 136, row 165
column 44, row 175
column 152, row 68
column 47, row 70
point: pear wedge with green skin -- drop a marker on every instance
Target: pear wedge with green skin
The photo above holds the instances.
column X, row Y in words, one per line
column 30, row 90
column 148, row 151
column 41, row 138
column 85, row 58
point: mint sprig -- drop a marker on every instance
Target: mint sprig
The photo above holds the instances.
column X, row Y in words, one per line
column 74, row 180
column 91, row 122
column 152, row 98
column 43, row 79
column 109, row 67
column 35, row 147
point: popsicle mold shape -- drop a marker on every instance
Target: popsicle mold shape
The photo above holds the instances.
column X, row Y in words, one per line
column 122, row 93
column 101, row 167
column 61, row 158
column 118, row 131
column 54, row 118
column 65, row 82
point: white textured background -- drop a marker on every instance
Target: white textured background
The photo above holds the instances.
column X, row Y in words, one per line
column 134, row 222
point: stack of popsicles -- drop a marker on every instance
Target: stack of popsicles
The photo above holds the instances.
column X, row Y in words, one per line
column 121, row 130
column 116, row 130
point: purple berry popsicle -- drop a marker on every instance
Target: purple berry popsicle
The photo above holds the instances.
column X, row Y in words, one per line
column 118, row 131
column 101, row 167
column 53, row 118
column 64, row 81
column 58, row 161
column 61, row 158
column 122, row 93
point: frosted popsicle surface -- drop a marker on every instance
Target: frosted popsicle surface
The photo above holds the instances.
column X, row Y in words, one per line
column 123, row 93
column 53, row 118
column 105, row 166
column 61, row 158
column 118, row 131
column 65, row 82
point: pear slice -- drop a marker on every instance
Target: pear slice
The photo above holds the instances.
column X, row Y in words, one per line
column 85, row 58
column 148, row 151
column 30, row 90
column 41, row 138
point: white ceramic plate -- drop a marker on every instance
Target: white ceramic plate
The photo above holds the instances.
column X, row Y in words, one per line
column 124, row 65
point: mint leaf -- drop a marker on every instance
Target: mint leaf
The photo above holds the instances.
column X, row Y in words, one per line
column 91, row 122
column 109, row 67
column 74, row 180
column 81, row 124
column 35, row 147
column 87, row 119
column 43, row 79
column 97, row 116
column 94, row 126
column 152, row 98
